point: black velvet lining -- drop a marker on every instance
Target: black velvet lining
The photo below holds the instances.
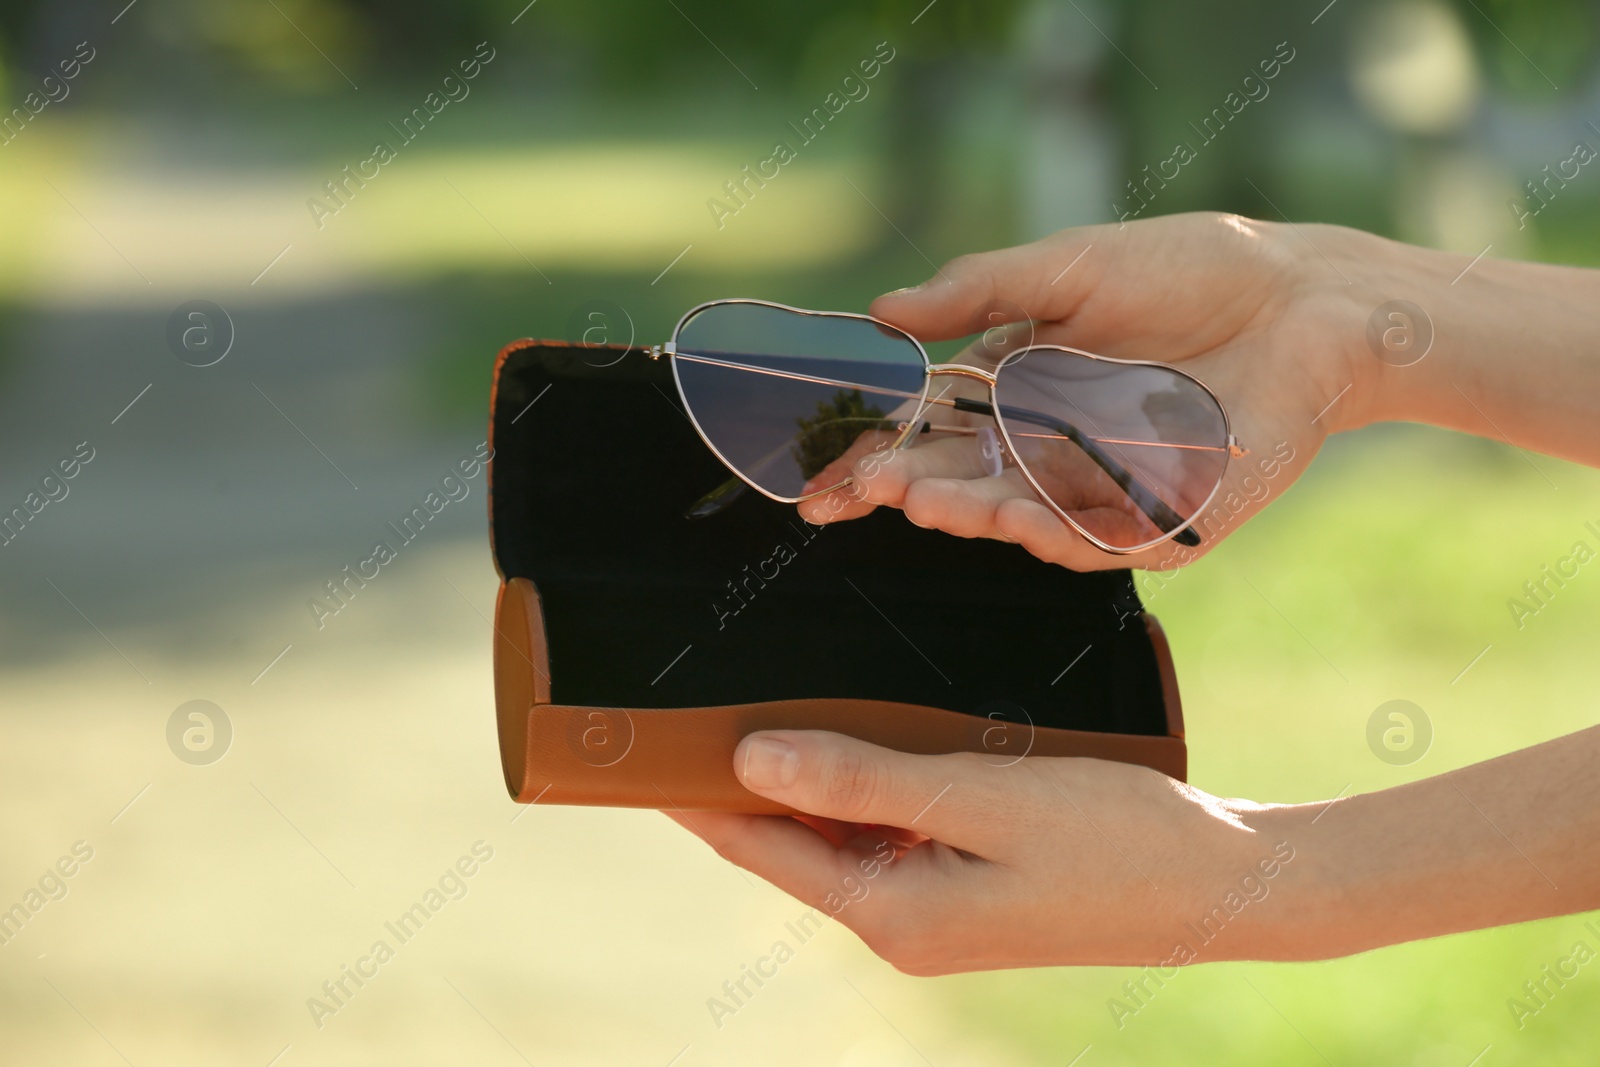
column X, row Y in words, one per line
column 595, row 464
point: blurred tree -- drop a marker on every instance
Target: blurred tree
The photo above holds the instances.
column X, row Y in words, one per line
column 1197, row 55
column 782, row 53
column 797, row 47
column 783, row 56
column 1534, row 47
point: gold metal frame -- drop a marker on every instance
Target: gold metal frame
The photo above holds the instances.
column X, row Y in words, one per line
column 913, row 426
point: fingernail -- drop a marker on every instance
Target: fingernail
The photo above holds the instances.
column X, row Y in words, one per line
column 770, row 763
column 907, row 289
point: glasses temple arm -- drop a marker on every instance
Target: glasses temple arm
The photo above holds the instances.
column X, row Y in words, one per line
column 1156, row 509
column 1146, row 501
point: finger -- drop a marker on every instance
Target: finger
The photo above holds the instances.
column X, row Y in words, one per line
column 964, row 508
column 948, row 797
column 882, row 476
column 1006, row 508
column 851, row 834
column 1045, row 279
column 885, row 479
column 871, row 473
column 707, row 825
column 902, row 840
column 846, row 502
column 857, row 845
column 784, row 851
column 872, row 852
column 1045, row 535
column 838, row 833
column 996, row 339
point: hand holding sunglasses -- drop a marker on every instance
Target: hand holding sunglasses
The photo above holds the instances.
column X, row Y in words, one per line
column 1249, row 308
column 1127, row 453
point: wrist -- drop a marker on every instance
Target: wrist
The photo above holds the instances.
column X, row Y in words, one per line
column 1368, row 871
column 1412, row 330
column 1317, row 897
column 1381, row 303
column 1492, row 347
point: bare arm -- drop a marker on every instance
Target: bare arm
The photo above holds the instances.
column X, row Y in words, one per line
column 1508, row 840
column 1076, row 861
column 1515, row 352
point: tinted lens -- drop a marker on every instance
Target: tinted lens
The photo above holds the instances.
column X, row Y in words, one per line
column 780, row 395
column 1129, row 452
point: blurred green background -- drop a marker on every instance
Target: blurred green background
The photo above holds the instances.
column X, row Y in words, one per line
column 576, row 177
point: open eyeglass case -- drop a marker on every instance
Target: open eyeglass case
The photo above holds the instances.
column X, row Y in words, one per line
column 634, row 646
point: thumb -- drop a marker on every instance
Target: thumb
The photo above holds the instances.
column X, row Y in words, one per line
column 843, row 778
column 1043, row 281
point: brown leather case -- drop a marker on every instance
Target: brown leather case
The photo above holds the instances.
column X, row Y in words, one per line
column 667, row 756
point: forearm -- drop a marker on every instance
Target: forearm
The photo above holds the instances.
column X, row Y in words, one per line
column 1515, row 350
column 1509, row 840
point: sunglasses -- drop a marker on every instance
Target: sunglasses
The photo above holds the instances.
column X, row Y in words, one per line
column 1126, row 452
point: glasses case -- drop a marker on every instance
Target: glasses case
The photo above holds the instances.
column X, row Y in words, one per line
column 634, row 647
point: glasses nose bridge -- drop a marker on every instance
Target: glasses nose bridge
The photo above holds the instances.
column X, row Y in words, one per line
column 962, row 371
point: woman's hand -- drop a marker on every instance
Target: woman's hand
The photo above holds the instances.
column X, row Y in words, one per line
column 962, row 862
column 1039, row 862
column 1252, row 309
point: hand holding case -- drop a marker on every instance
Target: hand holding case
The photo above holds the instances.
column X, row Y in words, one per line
column 635, row 647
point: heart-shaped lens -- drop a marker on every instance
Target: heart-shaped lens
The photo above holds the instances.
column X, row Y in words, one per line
column 780, row 394
column 1128, row 452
